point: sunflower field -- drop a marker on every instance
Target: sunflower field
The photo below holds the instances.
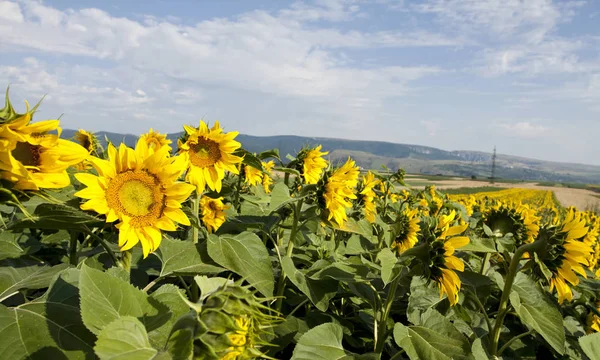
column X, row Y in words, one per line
column 203, row 250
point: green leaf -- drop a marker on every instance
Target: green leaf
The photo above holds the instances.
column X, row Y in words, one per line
column 479, row 244
column 246, row 255
column 318, row 291
column 280, row 195
column 124, row 339
column 105, row 298
column 17, row 274
column 273, row 153
column 57, row 217
column 590, row 344
column 172, row 297
column 249, row 159
column 209, row 285
column 537, row 310
column 388, row 260
column 185, row 258
column 49, row 327
column 9, row 247
column 423, row 296
column 323, row 342
column 437, row 339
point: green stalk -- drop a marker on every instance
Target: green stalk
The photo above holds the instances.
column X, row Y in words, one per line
column 508, row 282
column 290, row 250
column 381, row 329
column 196, row 210
column 105, row 246
column 505, row 346
column 73, row 258
column 484, row 263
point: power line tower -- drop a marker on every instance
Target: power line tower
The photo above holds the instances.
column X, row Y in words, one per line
column 493, row 177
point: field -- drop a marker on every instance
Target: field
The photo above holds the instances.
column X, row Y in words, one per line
column 581, row 198
column 200, row 249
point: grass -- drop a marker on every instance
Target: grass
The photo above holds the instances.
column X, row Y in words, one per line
column 471, row 190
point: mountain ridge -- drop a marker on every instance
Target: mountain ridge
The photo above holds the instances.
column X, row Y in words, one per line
column 412, row 157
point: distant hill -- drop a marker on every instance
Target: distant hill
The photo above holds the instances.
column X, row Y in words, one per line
column 412, row 158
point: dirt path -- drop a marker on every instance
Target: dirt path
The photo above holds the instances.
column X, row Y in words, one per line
column 580, row 198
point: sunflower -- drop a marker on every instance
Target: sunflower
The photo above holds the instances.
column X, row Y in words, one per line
column 313, row 164
column 407, row 230
column 565, row 253
column 156, row 140
column 210, row 154
column 443, row 263
column 213, row 212
column 339, row 189
column 32, row 158
column 266, row 180
column 517, row 219
column 89, row 142
column 368, row 196
column 253, row 176
column 593, row 321
column 138, row 188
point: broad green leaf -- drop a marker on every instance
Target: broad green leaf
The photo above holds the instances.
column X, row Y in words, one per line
column 209, row 285
column 280, row 195
column 421, row 342
column 9, row 247
column 423, row 296
column 246, row 255
column 323, row 342
column 105, row 298
column 170, row 296
column 185, row 258
column 49, row 327
column 290, row 330
column 537, row 310
column 318, row 291
column 479, row 244
column 590, row 344
column 342, row 272
column 273, row 153
column 181, row 339
column 124, row 339
column 17, row 274
column 388, row 261
column 56, row 217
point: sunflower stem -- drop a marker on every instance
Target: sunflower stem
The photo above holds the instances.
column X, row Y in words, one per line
column 381, row 329
column 484, row 263
column 196, row 210
column 508, row 282
column 105, row 245
column 290, row 250
column 505, row 346
column 73, row 258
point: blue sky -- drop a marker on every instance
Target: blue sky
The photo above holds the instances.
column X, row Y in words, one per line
column 453, row 74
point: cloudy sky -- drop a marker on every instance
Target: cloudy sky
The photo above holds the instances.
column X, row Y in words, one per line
column 454, row 74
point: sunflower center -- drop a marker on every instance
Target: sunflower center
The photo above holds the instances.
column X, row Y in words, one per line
column 27, row 154
column 205, row 153
column 136, row 194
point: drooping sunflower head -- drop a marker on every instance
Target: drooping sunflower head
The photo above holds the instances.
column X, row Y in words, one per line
column 516, row 219
column 313, row 164
column 138, row 188
column 564, row 254
column 266, row 180
column 156, row 140
column 405, row 230
column 235, row 322
column 338, row 190
column 252, row 175
column 210, row 153
column 212, row 212
column 443, row 264
column 33, row 158
column 87, row 140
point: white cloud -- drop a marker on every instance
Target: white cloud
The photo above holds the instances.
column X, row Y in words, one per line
column 11, row 12
column 525, row 129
